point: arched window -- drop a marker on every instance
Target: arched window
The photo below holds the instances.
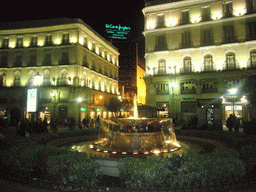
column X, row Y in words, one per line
column 31, row 76
column 187, row 65
column 162, row 66
column 2, row 79
column 64, row 77
column 47, row 76
column 252, row 58
column 17, row 77
column 230, row 61
column 208, row 63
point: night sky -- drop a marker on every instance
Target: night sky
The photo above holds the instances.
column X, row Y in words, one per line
column 95, row 13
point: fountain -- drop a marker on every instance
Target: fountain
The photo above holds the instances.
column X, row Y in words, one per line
column 136, row 135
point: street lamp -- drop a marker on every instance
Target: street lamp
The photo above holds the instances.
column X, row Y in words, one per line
column 233, row 92
column 38, row 79
column 79, row 100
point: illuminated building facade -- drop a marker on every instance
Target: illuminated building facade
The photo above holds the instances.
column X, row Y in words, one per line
column 195, row 51
column 72, row 60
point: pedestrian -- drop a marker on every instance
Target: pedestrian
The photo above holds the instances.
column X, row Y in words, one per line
column 53, row 125
column 44, row 126
column 97, row 123
column 229, row 123
column 84, row 122
column 237, row 125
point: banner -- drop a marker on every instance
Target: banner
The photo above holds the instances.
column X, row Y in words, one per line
column 32, row 100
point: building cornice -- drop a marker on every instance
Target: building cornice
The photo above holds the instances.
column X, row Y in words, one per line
column 174, row 5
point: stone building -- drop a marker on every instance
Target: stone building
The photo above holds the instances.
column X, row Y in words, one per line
column 196, row 51
column 72, row 61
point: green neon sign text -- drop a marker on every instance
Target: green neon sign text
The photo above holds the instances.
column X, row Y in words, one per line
column 117, row 31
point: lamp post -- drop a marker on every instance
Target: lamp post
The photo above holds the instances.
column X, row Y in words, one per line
column 79, row 100
column 233, row 92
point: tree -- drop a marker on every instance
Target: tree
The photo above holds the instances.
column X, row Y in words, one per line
column 114, row 105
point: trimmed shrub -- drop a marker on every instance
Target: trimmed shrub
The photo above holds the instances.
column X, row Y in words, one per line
column 182, row 171
column 141, row 173
column 74, row 166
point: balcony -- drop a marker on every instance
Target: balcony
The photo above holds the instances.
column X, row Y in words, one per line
column 206, row 67
column 188, row 91
column 231, row 65
column 185, row 70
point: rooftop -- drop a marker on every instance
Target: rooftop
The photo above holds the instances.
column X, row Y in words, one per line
column 158, row 2
column 47, row 23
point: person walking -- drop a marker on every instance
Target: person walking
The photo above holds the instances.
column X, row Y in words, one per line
column 229, row 123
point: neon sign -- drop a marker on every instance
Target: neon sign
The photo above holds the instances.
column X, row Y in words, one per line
column 117, row 31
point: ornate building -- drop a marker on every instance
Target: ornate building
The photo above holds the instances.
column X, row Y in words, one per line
column 72, row 60
column 196, row 50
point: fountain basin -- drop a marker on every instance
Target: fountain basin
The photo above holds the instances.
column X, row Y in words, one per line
column 137, row 136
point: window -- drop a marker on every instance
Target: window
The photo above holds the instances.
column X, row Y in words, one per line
column 251, row 6
column 208, row 63
column 160, row 21
column 251, row 31
column 2, row 79
column 64, row 77
column 160, row 43
column 185, row 17
column 206, row 13
column 228, row 9
column 188, row 87
column 64, row 58
column 18, row 61
column 209, row 86
column 187, row 65
column 65, row 39
column 5, row 44
column 32, row 61
column 185, row 40
column 33, row 42
column 19, row 43
column 48, row 40
column 85, row 42
column 162, row 66
column 252, row 58
column 206, row 37
column 31, row 76
column 162, row 89
column 4, row 60
column 47, row 59
column 229, row 35
column 46, row 77
column 85, row 61
column 231, row 83
column 230, row 61
column 17, row 77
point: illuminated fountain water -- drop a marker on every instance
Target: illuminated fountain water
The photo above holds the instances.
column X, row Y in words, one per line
column 136, row 135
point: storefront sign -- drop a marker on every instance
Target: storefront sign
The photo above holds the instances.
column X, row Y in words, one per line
column 83, row 109
column 98, row 109
column 31, row 100
column 117, row 31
